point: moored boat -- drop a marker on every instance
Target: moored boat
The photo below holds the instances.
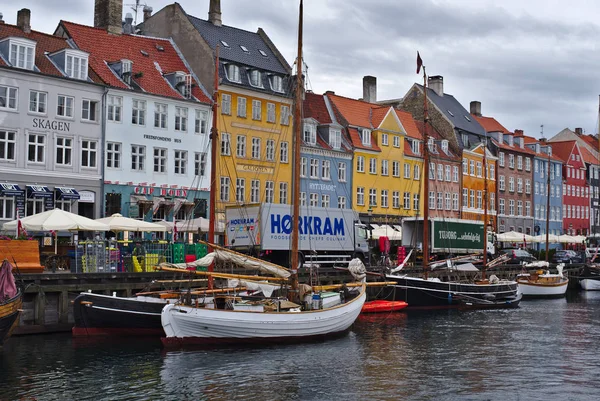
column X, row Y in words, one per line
column 543, row 284
column 382, row 306
column 10, row 302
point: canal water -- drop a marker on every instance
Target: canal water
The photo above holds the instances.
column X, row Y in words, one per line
column 546, row 349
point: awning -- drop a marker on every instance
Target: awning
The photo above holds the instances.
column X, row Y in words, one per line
column 39, row 191
column 67, row 193
column 139, row 199
column 181, row 202
column 11, row 190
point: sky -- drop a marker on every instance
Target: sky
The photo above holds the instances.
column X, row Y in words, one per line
column 530, row 63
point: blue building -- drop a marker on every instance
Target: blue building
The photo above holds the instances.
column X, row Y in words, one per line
column 326, row 157
column 543, row 156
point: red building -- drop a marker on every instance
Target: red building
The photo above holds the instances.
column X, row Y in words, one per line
column 576, row 191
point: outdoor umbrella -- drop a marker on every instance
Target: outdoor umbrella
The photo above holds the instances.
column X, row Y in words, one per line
column 117, row 222
column 200, row 224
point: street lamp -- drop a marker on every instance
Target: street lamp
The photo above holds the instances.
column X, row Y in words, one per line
column 370, row 241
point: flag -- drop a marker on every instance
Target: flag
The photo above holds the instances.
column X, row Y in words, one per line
column 419, row 62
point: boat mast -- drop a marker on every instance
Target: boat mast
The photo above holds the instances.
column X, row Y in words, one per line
column 425, row 180
column 293, row 296
column 485, row 207
column 548, row 203
column 214, row 140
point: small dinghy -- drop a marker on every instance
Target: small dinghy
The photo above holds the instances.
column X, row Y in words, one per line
column 382, row 306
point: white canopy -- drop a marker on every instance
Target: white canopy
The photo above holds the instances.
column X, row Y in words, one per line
column 552, row 239
column 571, row 239
column 57, row 220
column 168, row 225
column 513, row 236
column 387, row 231
column 117, row 222
column 198, row 224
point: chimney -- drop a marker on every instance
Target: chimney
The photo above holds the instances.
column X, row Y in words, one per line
column 1, row 20
column 476, row 108
column 518, row 132
column 108, row 14
column 369, row 89
column 579, row 131
column 147, row 12
column 436, row 83
column 23, row 20
column 214, row 12
column 330, row 93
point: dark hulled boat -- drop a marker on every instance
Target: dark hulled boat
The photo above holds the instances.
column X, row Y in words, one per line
column 10, row 301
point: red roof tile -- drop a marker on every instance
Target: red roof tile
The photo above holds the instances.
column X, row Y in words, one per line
column 106, row 48
column 591, row 140
column 408, row 149
column 355, row 112
column 490, row 124
column 409, row 124
column 587, row 156
column 314, row 107
column 378, row 114
column 44, row 43
column 357, row 142
column 563, row 149
column 514, row 148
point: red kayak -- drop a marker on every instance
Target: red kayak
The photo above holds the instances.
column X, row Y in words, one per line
column 383, row 306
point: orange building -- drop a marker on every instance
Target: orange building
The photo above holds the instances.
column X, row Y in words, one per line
column 474, row 184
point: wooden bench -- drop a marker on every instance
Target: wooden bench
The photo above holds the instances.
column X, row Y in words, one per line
column 25, row 253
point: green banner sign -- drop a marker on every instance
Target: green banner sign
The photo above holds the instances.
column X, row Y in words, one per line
column 454, row 235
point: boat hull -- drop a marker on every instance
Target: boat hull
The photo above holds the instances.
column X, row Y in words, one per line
column 381, row 306
column 421, row 294
column 590, row 284
column 543, row 290
column 102, row 315
column 200, row 326
column 9, row 316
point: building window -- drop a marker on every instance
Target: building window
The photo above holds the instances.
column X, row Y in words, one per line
column 88, row 110
column 501, row 159
column 226, row 104
column 270, row 150
column 511, row 161
column 302, row 198
column 7, row 145
column 479, row 169
column 395, row 168
column 472, row 198
column 440, row 201
column 160, row 160
column 492, row 202
column 65, row 106
column 36, row 148
column 454, row 173
column 465, row 166
column 224, row 189
column 8, row 97
column 271, row 113
column 326, row 170
column 285, row 115
column 37, row 102
column 501, row 208
column 181, row 162
column 241, row 107
column 283, row 192
column 527, row 164
column 254, row 191
column 335, row 138
column 519, row 162
column 276, row 83
column 240, row 189
column 384, row 198
column 181, row 115
column 384, row 139
column 64, row 149
column 113, row 111
column 34, row 206
column 373, row 166
column 501, row 183
column 520, row 185
column 240, row 146
column 341, row 202
column 396, row 199
column 309, row 134
column 256, row 78
column 384, row 167
column 360, row 164
column 465, row 197
column 372, row 197
column 269, row 192
column 528, row 208
column 528, row 187
column 21, row 56
column 138, row 156
column 76, row 67
column 431, row 199
column 491, row 172
column 448, row 201
column 365, row 135
column 89, row 150
column 479, row 200
column 360, row 196
column 519, row 208
column 138, row 112
column 225, row 144
column 200, row 164
column 314, row 168
column 454, row 201
column 417, row 172
column 256, row 148
column 415, row 201
column 256, row 110
column 283, row 152
column 448, row 173
column 472, row 167
column 414, row 147
column 406, row 200
column 341, row 172
column 396, row 141
column 314, row 200
column 511, row 207
column 324, row 200
column 160, row 115
column 440, row 172
column 406, row 170
column 511, row 184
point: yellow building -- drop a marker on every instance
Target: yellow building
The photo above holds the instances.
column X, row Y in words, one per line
column 386, row 178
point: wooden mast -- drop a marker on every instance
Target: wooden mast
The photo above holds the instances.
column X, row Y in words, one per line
column 548, row 203
column 214, row 141
column 425, row 180
column 485, row 207
column 293, row 296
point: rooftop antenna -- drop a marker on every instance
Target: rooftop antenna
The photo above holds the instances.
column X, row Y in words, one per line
column 542, row 131
column 135, row 7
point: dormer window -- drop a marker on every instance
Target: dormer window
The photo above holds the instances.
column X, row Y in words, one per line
column 233, row 72
column 244, row 49
column 276, row 83
column 310, row 134
column 21, row 53
column 510, row 140
column 465, row 140
column 256, row 78
column 126, row 71
column 76, row 64
column 445, row 146
column 183, row 83
column 431, row 145
column 414, row 145
column 335, row 138
column 365, row 136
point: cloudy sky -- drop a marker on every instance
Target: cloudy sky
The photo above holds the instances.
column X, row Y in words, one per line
column 529, row 62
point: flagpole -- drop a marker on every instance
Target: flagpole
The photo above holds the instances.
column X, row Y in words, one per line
column 425, row 171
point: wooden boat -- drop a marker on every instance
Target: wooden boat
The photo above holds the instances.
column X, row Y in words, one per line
column 10, row 302
column 543, row 284
column 382, row 306
column 590, row 278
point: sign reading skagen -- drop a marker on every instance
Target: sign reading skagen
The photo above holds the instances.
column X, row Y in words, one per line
column 162, row 138
column 53, row 125
column 255, row 169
